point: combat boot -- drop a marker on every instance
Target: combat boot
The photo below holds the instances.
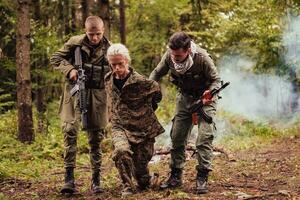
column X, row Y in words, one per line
column 175, row 179
column 95, row 186
column 201, row 182
column 69, row 186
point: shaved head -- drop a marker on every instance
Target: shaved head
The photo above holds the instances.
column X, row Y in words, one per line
column 94, row 29
column 93, row 22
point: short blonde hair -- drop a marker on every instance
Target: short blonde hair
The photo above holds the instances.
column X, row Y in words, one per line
column 118, row 49
column 93, row 21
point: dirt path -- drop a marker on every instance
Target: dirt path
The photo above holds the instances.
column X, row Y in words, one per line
column 269, row 172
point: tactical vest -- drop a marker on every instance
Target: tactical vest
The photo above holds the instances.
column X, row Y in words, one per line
column 94, row 72
column 95, row 75
column 193, row 82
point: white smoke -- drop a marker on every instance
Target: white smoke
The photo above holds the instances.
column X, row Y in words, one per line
column 258, row 97
column 264, row 96
column 164, row 139
column 291, row 41
column 254, row 96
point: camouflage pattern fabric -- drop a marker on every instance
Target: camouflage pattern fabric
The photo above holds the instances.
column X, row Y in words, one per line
column 134, row 126
column 131, row 108
column 132, row 159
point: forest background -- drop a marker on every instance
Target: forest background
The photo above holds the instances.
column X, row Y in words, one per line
column 254, row 43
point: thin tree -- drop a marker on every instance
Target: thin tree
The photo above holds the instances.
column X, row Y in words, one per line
column 24, row 99
column 103, row 12
column 40, row 90
column 67, row 16
column 60, row 17
column 73, row 16
column 122, row 22
column 86, row 6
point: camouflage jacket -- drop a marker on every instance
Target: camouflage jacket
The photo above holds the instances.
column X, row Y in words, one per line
column 131, row 110
column 62, row 60
column 201, row 76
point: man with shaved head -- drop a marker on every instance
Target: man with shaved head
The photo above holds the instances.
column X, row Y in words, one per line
column 93, row 46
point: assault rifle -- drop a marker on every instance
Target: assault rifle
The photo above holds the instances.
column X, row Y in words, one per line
column 197, row 107
column 80, row 89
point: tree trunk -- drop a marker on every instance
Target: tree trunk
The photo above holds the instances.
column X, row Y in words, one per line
column 46, row 16
column 122, row 22
column 60, row 18
column 103, row 12
column 73, row 17
column 24, row 101
column 86, row 9
column 37, row 9
column 40, row 90
column 67, row 16
column 41, row 107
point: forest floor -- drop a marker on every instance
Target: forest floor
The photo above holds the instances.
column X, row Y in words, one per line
column 267, row 171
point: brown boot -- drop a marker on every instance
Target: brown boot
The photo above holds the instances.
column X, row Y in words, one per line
column 175, row 179
column 69, row 186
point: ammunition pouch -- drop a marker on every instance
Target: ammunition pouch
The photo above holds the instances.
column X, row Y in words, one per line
column 95, row 75
column 188, row 84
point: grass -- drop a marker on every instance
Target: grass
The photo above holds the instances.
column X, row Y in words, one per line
column 34, row 162
column 242, row 134
column 30, row 161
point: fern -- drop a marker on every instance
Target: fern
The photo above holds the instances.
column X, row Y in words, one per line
column 5, row 101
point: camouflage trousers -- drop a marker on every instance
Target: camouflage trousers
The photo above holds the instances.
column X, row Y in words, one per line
column 132, row 159
column 181, row 129
column 70, row 131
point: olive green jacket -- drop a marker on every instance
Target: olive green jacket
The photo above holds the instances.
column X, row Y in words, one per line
column 131, row 110
column 201, row 76
column 62, row 60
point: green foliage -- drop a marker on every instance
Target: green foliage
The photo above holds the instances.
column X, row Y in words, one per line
column 149, row 29
column 7, row 84
column 43, row 75
column 31, row 161
column 7, row 23
column 5, row 100
column 2, row 197
column 166, row 107
column 253, row 28
column 111, row 179
column 29, row 158
column 7, row 48
column 241, row 133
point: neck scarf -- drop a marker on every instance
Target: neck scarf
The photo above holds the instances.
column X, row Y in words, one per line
column 181, row 68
